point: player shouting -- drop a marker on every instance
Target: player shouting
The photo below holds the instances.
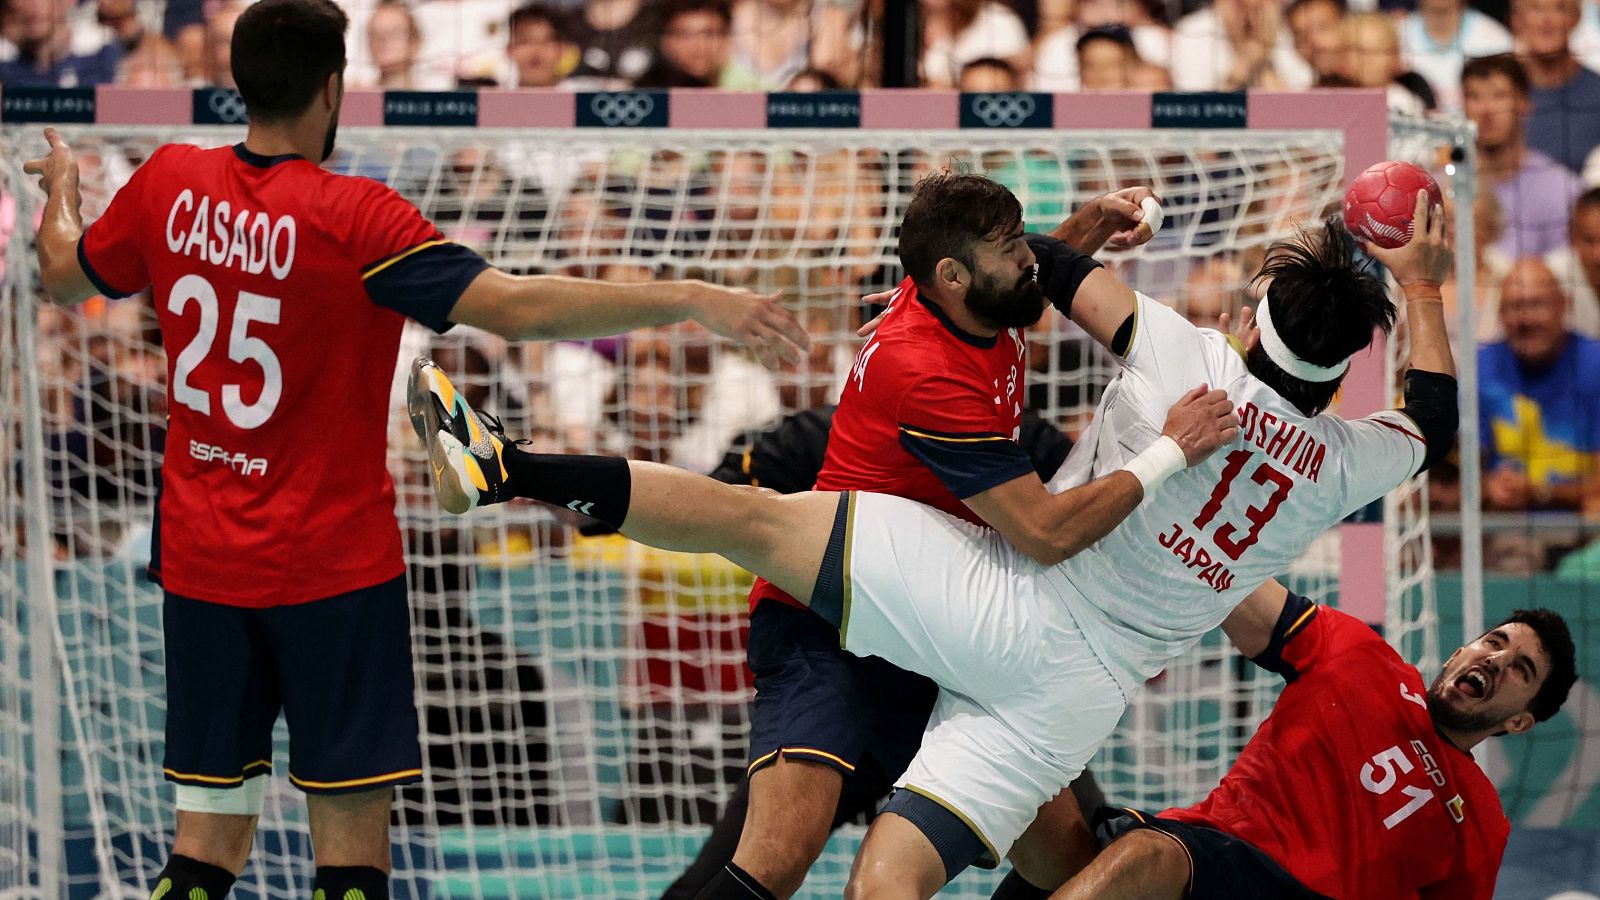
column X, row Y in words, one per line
column 1361, row 783
column 281, row 290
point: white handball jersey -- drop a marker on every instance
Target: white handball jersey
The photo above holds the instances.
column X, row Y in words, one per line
column 1214, row 532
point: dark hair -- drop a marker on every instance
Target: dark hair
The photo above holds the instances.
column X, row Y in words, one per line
column 671, row 9
column 283, row 52
column 949, row 213
column 1589, row 199
column 990, row 62
column 1556, row 639
column 1115, row 34
column 1499, row 64
column 1324, row 307
column 530, row 13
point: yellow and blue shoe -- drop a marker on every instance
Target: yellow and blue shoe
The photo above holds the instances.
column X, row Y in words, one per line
column 465, row 447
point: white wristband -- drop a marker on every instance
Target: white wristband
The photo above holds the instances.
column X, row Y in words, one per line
column 1159, row 461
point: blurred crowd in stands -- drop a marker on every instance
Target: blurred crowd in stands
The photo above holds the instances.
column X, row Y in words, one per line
column 1524, row 72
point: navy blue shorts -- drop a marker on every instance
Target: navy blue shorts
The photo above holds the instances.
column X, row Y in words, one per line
column 818, row 703
column 339, row 669
column 1221, row 867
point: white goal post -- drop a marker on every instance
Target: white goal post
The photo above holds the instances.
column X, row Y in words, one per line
column 583, row 701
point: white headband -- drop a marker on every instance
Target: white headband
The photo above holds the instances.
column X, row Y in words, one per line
column 1279, row 352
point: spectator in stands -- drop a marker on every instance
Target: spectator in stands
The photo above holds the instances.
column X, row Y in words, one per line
column 155, row 64
column 1055, row 63
column 695, row 48
column 956, row 32
column 1236, row 44
column 1539, row 401
column 844, row 43
column 1309, row 19
column 1372, row 60
column 219, row 43
column 394, row 46
column 988, row 74
column 538, row 50
column 1577, row 266
column 614, row 41
column 1490, row 266
column 772, row 38
column 47, row 51
column 1441, row 35
column 463, row 41
column 1107, row 59
column 1535, row 191
column 1566, row 96
column 121, row 19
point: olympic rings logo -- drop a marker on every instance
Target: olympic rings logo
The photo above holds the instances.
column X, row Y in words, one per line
column 228, row 106
column 622, row 109
column 1003, row 110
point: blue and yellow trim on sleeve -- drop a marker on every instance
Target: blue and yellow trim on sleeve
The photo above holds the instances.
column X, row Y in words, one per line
column 100, row 284
column 967, row 463
column 1298, row 614
column 423, row 282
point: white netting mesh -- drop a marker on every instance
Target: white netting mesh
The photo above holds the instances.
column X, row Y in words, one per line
column 584, row 700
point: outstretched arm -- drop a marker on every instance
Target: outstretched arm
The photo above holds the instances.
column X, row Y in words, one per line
column 62, row 226
column 529, row 307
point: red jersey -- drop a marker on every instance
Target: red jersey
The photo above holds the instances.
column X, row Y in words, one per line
column 1348, row 786
column 267, row 274
column 930, row 412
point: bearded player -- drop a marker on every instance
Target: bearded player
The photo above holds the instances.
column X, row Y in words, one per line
column 281, row 290
column 1032, row 686
column 1361, row 783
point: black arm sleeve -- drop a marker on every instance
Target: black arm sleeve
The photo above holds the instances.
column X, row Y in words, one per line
column 1297, row 614
column 1431, row 402
column 1060, row 270
column 785, row 457
column 1044, row 443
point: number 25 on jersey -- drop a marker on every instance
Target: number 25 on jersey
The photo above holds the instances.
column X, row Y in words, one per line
column 194, row 290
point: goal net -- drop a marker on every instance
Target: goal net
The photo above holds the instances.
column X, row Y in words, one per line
column 584, row 701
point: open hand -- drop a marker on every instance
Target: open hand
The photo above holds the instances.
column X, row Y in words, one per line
column 756, row 321
column 1430, row 254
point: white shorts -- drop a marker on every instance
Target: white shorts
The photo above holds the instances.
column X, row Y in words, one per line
column 1024, row 702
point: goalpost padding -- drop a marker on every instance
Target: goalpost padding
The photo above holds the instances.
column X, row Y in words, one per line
column 584, row 700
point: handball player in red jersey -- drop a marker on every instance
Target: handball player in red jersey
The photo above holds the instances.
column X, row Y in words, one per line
column 281, row 291
column 1361, row 784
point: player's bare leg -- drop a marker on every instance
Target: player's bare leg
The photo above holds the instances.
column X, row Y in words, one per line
column 779, row 537
column 1057, row 846
column 1141, row 865
column 895, row 862
column 351, row 829
column 215, row 838
column 792, row 805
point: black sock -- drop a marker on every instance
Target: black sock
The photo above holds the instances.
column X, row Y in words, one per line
column 734, row 883
column 185, row 875
column 1015, row 887
column 597, row 486
column 350, row 883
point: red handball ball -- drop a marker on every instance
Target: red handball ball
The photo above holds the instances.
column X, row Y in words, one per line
column 1378, row 206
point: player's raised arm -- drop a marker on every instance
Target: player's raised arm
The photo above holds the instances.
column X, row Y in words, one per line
column 1076, row 283
column 1419, row 267
column 555, row 306
column 62, row 226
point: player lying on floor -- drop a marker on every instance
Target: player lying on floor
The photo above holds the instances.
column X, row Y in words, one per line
column 1031, row 687
column 1361, row 784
